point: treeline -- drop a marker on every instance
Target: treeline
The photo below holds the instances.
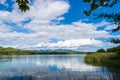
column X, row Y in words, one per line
column 13, row 51
column 114, row 49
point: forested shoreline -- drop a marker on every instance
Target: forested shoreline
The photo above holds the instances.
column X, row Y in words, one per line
column 13, row 51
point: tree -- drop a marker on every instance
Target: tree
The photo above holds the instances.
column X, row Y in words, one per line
column 100, row 50
column 115, row 17
column 116, row 41
column 23, row 5
column 114, row 49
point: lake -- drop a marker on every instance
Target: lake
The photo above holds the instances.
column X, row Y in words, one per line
column 51, row 67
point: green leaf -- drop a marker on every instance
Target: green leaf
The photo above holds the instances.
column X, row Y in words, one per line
column 94, row 6
column 86, row 0
column 23, row 5
column 87, row 13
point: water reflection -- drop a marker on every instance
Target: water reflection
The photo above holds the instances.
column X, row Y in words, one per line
column 66, row 62
column 48, row 67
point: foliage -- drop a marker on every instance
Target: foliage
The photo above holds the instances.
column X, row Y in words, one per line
column 116, row 41
column 94, row 4
column 114, row 49
column 110, row 60
column 13, row 51
column 115, row 17
column 100, row 50
column 23, row 5
column 100, row 59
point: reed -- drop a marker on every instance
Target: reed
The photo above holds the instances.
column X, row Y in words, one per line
column 110, row 60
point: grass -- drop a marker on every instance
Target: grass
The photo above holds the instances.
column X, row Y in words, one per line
column 103, row 59
column 110, row 60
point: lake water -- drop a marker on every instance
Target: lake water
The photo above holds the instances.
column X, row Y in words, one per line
column 50, row 67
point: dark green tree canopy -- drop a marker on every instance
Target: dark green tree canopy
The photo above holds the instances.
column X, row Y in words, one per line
column 116, row 41
column 23, row 5
column 114, row 49
column 94, row 4
column 100, row 50
column 114, row 17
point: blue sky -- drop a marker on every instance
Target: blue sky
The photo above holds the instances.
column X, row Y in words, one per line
column 54, row 24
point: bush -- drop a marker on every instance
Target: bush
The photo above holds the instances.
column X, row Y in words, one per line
column 100, row 50
column 114, row 49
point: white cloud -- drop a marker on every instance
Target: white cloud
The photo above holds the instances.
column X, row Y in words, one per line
column 4, row 28
column 45, row 33
column 74, row 36
column 40, row 11
column 106, row 25
column 2, row 1
column 70, row 44
column 60, row 18
column 41, row 23
column 111, row 27
column 103, row 23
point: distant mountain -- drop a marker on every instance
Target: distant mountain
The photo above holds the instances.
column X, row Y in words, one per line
column 56, row 50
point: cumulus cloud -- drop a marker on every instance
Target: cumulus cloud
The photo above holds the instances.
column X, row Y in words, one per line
column 106, row 25
column 70, row 44
column 110, row 27
column 45, row 33
column 2, row 2
column 4, row 28
column 36, row 27
column 40, row 12
column 103, row 23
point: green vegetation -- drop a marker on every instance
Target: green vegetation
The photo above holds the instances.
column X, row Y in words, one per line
column 23, row 5
column 103, row 59
column 113, row 16
column 114, row 49
column 100, row 50
column 110, row 59
column 13, row 51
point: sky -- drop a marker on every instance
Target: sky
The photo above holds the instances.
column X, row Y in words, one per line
column 54, row 24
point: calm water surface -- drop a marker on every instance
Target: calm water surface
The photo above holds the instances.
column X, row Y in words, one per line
column 46, row 67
